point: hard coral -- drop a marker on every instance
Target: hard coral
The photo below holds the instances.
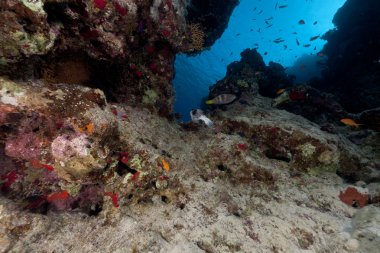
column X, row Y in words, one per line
column 197, row 37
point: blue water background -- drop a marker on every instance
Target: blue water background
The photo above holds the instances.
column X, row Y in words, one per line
column 195, row 74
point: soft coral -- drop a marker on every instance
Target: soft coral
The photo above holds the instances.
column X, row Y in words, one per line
column 352, row 197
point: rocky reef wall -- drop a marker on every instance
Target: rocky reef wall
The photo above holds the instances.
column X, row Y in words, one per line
column 124, row 47
column 353, row 50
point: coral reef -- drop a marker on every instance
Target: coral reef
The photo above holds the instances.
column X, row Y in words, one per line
column 80, row 172
column 124, row 47
column 167, row 189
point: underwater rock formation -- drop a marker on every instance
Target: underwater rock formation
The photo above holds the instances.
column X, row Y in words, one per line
column 251, row 75
column 353, row 50
column 213, row 15
column 61, row 148
column 124, row 47
column 165, row 189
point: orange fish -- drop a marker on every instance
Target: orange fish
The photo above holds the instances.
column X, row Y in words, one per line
column 58, row 196
column 280, row 91
column 90, row 128
column 165, row 165
column 350, row 122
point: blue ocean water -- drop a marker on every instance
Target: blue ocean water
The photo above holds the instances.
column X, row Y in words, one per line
column 254, row 24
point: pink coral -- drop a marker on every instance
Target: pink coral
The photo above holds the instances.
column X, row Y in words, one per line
column 24, row 146
column 66, row 146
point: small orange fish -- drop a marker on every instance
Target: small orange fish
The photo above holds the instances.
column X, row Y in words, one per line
column 165, row 165
column 90, row 128
column 280, row 91
column 350, row 122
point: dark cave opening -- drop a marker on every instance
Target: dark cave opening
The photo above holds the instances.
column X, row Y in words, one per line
column 78, row 68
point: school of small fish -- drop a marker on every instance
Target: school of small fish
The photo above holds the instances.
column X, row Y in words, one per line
column 280, row 6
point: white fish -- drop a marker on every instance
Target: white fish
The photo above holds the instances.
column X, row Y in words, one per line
column 198, row 116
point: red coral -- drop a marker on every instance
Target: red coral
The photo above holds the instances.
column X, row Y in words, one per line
column 139, row 73
column 153, row 67
column 58, row 196
column 135, row 176
column 242, row 146
column 89, row 34
column 100, row 4
column 114, row 111
column 38, row 165
column 150, row 49
column 113, row 197
column 60, row 200
column 163, row 178
column 297, row 95
column 352, row 197
column 124, row 157
column 9, row 179
column 165, row 33
column 120, row 9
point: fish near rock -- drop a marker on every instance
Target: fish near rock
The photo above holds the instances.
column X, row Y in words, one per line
column 222, row 99
column 350, row 122
column 198, row 116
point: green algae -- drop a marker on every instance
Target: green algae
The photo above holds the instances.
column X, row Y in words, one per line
column 35, row 6
column 324, row 169
column 307, row 149
column 136, row 162
column 150, row 97
column 242, row 83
